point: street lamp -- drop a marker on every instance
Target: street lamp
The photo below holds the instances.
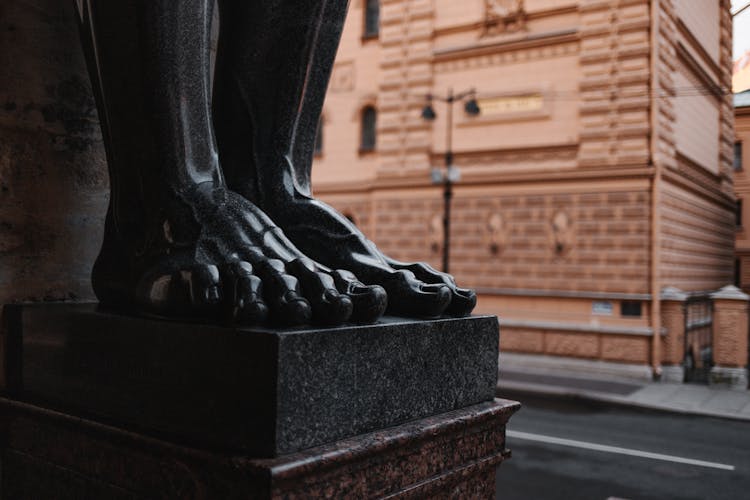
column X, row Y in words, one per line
column 451, row 174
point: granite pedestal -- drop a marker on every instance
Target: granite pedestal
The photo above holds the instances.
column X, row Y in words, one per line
column 144, row 408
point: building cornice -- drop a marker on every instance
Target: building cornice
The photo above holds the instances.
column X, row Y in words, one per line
column 564, row 294
column 421, row 179
column 550, row 152
column 483, row 49
column 698, row 180
column 699, row 50
column 530, row 16
column 696, row 69
column 642, row 331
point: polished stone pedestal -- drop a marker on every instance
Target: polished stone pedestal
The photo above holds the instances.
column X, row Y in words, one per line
column 51, row 455
column 265, row 392
column 136, row 407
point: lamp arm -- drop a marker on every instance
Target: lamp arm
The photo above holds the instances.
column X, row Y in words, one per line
column 464, row 94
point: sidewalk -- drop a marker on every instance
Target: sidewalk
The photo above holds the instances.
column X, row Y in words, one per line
column 583, row 380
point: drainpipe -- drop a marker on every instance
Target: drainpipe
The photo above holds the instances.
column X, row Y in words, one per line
column 655, row 161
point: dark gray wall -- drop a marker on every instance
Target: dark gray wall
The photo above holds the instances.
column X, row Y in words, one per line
column 53, row 180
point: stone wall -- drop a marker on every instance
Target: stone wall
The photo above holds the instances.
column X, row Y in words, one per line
column 53, row 180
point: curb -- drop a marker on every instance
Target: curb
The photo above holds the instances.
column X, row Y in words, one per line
column 599, row 397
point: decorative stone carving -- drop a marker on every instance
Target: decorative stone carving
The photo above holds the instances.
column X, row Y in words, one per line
column 343, row 78
column 561, row 232
column 436, row 233
column 496, row 234
column 503, row 16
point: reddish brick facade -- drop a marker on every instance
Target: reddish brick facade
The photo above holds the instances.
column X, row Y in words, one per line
column 598, row 173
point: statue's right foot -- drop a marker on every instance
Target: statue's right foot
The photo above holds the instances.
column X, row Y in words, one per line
column 184, row 286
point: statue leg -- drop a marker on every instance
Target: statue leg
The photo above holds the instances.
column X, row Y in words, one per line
column 274, row 62
column 177, row 242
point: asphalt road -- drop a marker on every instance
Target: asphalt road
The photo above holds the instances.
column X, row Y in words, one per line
column 565, row 449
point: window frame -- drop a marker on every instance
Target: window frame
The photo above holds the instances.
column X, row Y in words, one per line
column 737, row 158
column 738, row 215
column 631, row 309
column 366, row 15
column 367, row 144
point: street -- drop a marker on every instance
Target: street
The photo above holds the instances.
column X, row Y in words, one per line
column 571, row 449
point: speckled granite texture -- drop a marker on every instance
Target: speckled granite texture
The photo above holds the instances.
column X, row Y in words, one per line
column 265, row 392
column 45, row 454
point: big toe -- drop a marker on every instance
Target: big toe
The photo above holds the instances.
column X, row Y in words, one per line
column 204, row 286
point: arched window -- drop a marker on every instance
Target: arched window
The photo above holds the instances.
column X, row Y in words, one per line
column 372, row 19
column 369, row 122
column 319, row 138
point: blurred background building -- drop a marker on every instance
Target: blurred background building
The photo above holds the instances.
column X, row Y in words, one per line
column 597, row 174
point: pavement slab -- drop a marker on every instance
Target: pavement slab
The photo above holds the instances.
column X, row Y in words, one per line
column 695, row 399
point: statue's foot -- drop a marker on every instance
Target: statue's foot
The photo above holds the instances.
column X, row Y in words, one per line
column 329, row 238
column 222, row 259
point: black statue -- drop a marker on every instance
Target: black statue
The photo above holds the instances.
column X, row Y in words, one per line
column 213, row 218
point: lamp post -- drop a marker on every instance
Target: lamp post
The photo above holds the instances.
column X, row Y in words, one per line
column 450, row 174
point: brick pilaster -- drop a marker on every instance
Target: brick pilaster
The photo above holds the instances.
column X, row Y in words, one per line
column 615, row 82
column 726, row 128
column 673, row 322
column 406, row 39
column 730, row 337
column 663, row 88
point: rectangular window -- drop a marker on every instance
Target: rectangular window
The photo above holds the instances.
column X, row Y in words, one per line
column 737, row 273
column 738, row 155
column 738, row 213
column 367, row 134
column 372, row 19
column 630, row 308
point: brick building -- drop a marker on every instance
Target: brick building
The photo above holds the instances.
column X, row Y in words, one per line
column 598, row 174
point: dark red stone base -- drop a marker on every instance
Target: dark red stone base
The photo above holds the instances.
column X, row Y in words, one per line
column 44, row 454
